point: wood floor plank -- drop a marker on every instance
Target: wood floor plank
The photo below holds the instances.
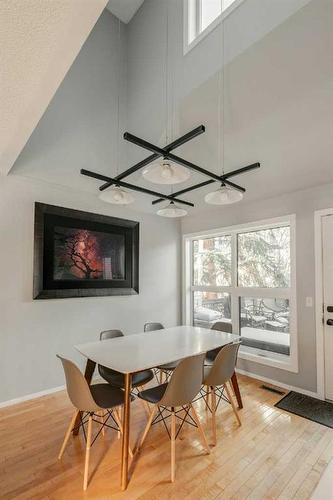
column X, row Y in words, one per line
column 273, row 454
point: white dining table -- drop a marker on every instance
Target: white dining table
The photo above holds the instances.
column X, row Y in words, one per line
column 133, row 353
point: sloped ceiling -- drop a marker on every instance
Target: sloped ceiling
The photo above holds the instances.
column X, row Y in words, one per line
column 124, row 9
column 39, row 41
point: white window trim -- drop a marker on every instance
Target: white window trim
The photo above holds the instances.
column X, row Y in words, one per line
column 189, row 46
column 289, row 363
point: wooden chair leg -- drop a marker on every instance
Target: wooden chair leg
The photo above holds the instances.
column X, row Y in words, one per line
column 200, row 429
column 118, row 421
column 86, row 463
column 207, row 398
column 173, row 444
column 213, row 406
column 68, row 433
column 101, row 414
column 145, row 403
column 150, row 421
column 229, row 395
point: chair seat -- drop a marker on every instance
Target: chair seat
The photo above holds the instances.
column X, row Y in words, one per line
column 154, row 394
column 211, row 355
column 106, row 396
column 208, row 361
column 169, row 366
column 206, row 372
column 117, row 379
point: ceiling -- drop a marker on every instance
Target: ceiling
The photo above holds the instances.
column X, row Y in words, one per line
column 39, row 42
column 124, row 9
column 278, row 111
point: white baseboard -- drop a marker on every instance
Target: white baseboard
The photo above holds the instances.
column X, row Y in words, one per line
column 36, row 395
column 278, row 384
column 28, row 397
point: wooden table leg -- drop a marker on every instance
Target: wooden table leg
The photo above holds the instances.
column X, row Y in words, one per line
column 88, row 374
column 235, row 386
column 126, row 431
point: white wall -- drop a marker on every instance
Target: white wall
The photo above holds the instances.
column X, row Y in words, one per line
column 303, row 204
column 147, row 54
column 32, row 332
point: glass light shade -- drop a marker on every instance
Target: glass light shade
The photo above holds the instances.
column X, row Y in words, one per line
column 172, row 211
column 166, row 172
column 117, row 196
column 225, row 195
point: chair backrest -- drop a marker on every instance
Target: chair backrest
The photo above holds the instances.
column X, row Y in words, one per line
column 77, row 387
column 110, row 334
column 185, row 382
column 150, row 327
column 222, row 326
column 223, row 366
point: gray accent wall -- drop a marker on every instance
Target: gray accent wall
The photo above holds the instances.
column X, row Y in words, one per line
column 33, row 332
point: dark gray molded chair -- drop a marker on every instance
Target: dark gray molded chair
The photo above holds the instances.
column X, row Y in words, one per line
column 117, row 379
column 169, row 367
column 184, row 385
column 221, row 326
column 218, row 376
column 91, row 402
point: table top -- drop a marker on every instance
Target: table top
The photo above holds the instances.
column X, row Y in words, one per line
column 133, row 353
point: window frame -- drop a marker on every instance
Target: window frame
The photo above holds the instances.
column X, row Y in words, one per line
column 200, row 35
column 283, row 361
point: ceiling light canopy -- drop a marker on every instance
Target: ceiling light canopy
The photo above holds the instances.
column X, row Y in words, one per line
column 166, row 172
column 117, row 196
column 172, row 211
column 225, row 195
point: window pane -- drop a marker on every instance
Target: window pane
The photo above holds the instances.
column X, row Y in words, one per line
column 264, row 258
column 212, row 261
column 191, row 10
column 210, row 10
column 209, row 307
column 264, row 324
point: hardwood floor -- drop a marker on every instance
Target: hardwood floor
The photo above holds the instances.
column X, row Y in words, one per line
column 273, row 454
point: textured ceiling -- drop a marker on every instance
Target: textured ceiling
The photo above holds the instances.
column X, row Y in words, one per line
column 39, row 40
column 124, row 9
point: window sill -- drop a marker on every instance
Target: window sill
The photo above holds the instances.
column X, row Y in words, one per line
column 267, row 358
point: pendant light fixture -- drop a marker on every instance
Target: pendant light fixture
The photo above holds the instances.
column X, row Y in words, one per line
column 165, row 171
column 172, row 211
column 225, row 195
column 172, row 168
column 116, row 194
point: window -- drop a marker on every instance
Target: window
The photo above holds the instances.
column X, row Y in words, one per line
column 245, row 275
column 201, row 16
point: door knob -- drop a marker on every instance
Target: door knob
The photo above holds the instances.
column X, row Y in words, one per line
column 329, row 322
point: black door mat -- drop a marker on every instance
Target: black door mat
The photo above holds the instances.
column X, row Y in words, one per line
column 307, row 407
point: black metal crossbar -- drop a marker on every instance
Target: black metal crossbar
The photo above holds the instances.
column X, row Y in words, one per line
column 166, row 153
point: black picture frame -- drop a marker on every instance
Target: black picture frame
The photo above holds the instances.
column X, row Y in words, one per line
column 47, row 217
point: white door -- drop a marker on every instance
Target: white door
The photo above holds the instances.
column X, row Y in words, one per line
column 327, row 252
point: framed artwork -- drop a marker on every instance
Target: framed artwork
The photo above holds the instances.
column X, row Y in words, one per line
column 81, row 254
